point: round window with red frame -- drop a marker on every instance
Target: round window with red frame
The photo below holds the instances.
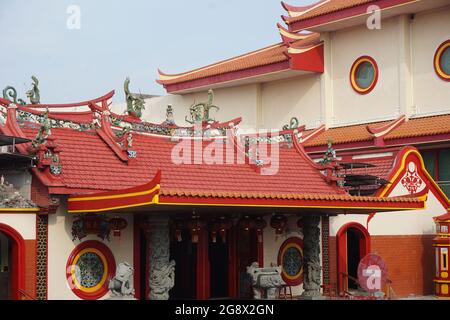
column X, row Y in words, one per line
column 290, row 258
column 442, row 61
column 364, row 75
column 89, row 268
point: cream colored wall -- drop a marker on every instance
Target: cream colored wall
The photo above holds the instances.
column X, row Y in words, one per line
column 25, row 224
column 382, row 45
column 430, row 29
column 296, row 97
column 272, row 245
column 233, row 103
column 60, row 245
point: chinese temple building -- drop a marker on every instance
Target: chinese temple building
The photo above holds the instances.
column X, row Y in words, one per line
column 361, row 165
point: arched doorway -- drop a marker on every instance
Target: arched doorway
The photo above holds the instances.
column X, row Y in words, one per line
column 12, row 262
column 353, row 244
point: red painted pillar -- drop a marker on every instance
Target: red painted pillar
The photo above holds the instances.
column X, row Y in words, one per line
column 202, row 279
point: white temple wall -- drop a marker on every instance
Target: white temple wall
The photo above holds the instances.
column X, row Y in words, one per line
column 272, row 244
column 295, row 97
column 429, row 31
column 60, row 246
column 23, row 223
column 382, row 45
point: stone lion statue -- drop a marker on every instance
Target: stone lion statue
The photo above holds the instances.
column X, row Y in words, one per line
column 122, row 283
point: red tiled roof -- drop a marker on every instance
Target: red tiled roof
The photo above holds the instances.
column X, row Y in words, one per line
column 415, row 127
column 354, row 133
column 418, row 127
column 89, row 163
column 262, row 57
column 329, row 7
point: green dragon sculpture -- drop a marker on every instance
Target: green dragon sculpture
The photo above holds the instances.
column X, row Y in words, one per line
column 34, row 93
column 293, row 124
column 199, row 112
column 43, row 132
column 135, row 103
column 10, row 93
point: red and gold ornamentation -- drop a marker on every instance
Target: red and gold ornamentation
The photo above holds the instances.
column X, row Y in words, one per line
column 364, row 75
column 442, row 61
column 89, row 268
column 260, row 225
column 194, row 226
column 279, row 223
column 441, row 246
column 246, row 223
column 290, row 258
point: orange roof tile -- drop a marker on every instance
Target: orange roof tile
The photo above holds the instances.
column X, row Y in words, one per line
column 354, row 133
column 262, row 57
column 418, row 127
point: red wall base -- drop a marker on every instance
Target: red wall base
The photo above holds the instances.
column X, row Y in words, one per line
column 410, row 261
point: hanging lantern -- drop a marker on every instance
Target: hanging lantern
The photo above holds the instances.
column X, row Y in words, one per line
column 117, row 224
column 194, row 226
column 214, row 228
column 224, row 225
column 246, row 223
column 260, row 224
column 279, row 223
column 177, row 229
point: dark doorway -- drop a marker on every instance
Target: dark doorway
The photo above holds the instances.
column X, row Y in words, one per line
column 247, row 254
column 143, row 277
column 184, row 253
column 218, row 263
column 354, row 238
column 5, row 267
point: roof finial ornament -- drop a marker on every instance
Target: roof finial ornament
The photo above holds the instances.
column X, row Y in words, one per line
column 293, row 124
column 330, row 154
column 10, row 93
column 44, row 131
column 34, row 93
column 199, row 112
column 169, row 115
column 135, row 102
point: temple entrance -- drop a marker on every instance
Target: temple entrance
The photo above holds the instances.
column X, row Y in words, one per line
column 353, row 244
column 218, row 263
column 247, row 254
column 5, row 265
column 184, row 253
column 11, row 263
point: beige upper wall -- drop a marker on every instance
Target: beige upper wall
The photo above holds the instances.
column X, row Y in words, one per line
column 403, row 49
column 382, row 45
column 431, row 93
column 298, row 97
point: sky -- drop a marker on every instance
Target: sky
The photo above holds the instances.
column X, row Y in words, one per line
column 81, row 59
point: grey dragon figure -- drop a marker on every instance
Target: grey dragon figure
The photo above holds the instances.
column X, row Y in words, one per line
column 293, row 124
column 135, row 103
column 199, row 112
column 10, row 93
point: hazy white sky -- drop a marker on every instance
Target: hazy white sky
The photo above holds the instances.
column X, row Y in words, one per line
column 119, row 38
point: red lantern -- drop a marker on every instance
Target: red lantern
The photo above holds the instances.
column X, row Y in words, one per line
column 224, row 225
column 214, row 227
column 178, row 227
column 117, row 224
column 279, row 223
column 260, row 224
column 246, row 223
column 194, row 226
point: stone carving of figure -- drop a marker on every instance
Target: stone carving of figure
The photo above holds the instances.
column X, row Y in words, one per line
column 122, row 283
column 162, row 271
column 311, row 240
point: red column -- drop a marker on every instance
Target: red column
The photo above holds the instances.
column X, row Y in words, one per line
column 202, row 279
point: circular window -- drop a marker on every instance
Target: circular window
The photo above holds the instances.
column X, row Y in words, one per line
column 442, row 61
column 364, row 75
column 89, row 268
column 290, row 258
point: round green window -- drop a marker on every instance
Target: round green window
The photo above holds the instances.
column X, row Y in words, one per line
column 364, row 75
column 442, row 61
